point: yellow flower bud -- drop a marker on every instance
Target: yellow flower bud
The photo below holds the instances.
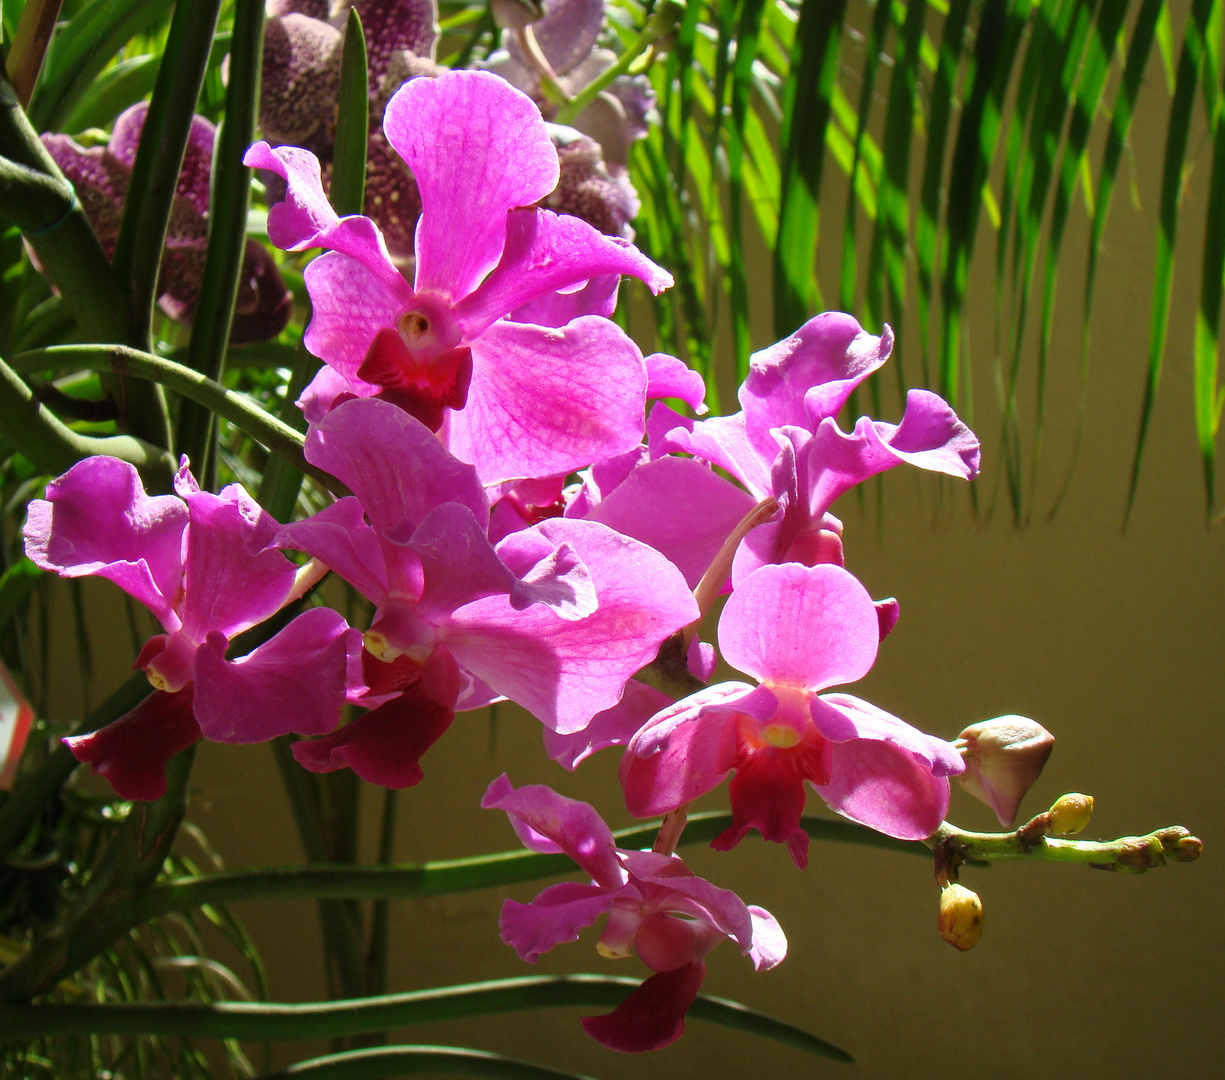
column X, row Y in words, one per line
column 961, row 916
column 1071, row 813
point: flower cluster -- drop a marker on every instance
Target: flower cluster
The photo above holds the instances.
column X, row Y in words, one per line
column 524, row 530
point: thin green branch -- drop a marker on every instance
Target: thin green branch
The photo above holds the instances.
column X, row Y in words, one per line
column 238, row 409
column 275, row 1021
column 418, row 1061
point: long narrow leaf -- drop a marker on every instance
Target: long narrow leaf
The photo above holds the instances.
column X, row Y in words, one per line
column 274, row 1021
column 1178, row 130
column 417, row 1061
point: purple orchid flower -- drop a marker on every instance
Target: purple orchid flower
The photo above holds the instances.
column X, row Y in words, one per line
column 201, row 563
column 797, row 630
column 655, row 905
column 301, row 82
column 557, row 617
column 100, row 176
column 513, row 399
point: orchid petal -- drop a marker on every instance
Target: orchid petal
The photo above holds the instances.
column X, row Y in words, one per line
column 555, row 916
column 613, row 727
column 669, row 377
column 478, row 149
column 132, row 751
column 833, row 632
column 653, row 1016
column 295, row 681
column 98, row 520
column 549, row 823
column 769, row 942
column 546, row 252
column 340, row 538
column 548, row 401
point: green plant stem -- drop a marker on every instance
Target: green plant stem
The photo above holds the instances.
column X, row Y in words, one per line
column 39, row 200
column 417, row 1061
column 229, row 198
column 239, row 410
column 29, row 46
column 661, row 23
column 274, row 1021
column 53, row 447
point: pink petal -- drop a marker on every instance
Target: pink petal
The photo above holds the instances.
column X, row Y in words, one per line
column 653, row 1016
column 800, row 626
column 305, row 219
column 678, row 506
column 340, row 538
column 677, row 755
column 478, row 149
column 670, row 377
column 556, row 916
column 548, row 401
column 393, row 464
column 132, row 751
column 384, row 745
column 612, row 727
column 97, row 519
column 547, row 822
column 546, row 252
column 295, row 681
column 769, row 942
column 349, row 306
column 229, row 583
column 597, row 297
column 892, row 778
column 565, row 672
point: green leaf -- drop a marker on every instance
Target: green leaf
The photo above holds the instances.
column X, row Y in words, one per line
column 81, row 48
column 274, row 1021
column 1190, row 64
column 416, row 1061
column 348, row 190
column 806, row 113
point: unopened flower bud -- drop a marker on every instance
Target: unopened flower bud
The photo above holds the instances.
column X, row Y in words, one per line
column 1071, row 813
column 1003, row 758
column 961, row 916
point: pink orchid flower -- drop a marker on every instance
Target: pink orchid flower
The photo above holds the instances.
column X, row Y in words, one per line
column 556, row 617
column 201, row 563
column 797, row 630
column 655, row 905
column 513, row 399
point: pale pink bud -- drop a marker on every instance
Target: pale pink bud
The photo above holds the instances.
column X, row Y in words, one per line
column 1003, row 758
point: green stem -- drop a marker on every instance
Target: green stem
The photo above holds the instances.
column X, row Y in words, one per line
column 239, row 410
column 274, row 1021
column 417, row 1061
column 662, row 22
column 229, row 198
column 53, row 447
column 1128, row 854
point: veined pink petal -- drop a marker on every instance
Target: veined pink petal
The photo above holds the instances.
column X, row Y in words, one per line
column 295, row 681
column 231, row 578
column 832, row 630
column 565, row 672
column 769, row 941
column 612, row 727
column 546, row 252
column 305, row 219
column 597, row 297
column 349, row 306
column 555, row 916
column 653, row 1016
column 723, row 441
column 132, row 751
column 669, row 885
column 670, row 377
column 478, row 149
column 340, row 538
column 547, row 822
column 97, row 519
column 548, row 573
column 394, row 465
column 678, row 506
column 892, row 778
column 548, row 401
column 676, row 756
column 808, row 376
column 932, row 436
